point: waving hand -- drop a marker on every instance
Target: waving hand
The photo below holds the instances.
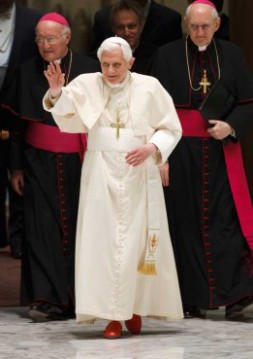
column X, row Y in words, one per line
column 55, row 78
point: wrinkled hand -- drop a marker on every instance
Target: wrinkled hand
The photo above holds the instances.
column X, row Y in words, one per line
column 138, row 155
column 219, row 129
column 164, row 173
column 17, row 182
column 55, row 78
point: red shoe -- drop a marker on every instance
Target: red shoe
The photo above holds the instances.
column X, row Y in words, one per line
column 113, row 330
column 134, row 325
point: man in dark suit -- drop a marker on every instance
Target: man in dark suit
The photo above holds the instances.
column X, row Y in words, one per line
column 162, row 24
column 127, row 20
column 17, row 44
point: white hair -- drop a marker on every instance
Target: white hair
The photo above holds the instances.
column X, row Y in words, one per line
column 113, row 43
column 214, row 11
column 66, row 29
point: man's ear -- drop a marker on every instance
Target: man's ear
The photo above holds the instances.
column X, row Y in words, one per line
column 68, row 37
column 131, row 62
column 217, row 24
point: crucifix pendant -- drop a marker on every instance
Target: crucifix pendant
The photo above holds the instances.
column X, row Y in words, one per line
column 118, row 125
column 204, row 83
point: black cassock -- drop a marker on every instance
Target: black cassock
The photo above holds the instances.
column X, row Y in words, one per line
column 51, row 187
column 213, row 259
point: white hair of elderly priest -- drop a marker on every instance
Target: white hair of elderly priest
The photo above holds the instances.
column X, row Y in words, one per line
column 112, row 43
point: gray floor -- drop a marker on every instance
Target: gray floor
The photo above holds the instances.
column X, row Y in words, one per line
column 209, row 338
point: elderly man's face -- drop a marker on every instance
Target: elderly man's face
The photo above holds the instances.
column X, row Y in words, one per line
column 52, row 40
column 114, row 66
column 126, row 24
column 201, row 24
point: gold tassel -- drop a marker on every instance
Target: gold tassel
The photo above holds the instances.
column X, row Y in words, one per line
column 148, row 267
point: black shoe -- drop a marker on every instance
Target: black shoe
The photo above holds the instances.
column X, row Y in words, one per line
column 43, row 312
column 69, row 313
column 235, row 311
column 193, row 312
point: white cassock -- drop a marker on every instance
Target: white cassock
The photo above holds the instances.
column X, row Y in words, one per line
column 120, row 204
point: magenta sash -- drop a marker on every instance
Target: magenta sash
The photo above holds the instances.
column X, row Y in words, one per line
column 50, row 138
column 194, row 125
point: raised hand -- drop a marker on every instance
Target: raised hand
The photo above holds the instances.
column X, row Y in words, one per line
column 55, row 78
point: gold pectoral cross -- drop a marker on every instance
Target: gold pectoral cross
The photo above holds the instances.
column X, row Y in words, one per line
column 118, row 125
column 204, row 83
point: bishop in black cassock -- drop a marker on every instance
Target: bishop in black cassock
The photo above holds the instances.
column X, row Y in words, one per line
column 51, row 162
column 208, row 204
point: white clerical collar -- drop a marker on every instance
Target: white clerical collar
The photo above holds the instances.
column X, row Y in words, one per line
column 202, row 48
column 59, row 60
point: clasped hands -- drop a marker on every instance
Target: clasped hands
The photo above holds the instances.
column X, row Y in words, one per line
column 55, row 78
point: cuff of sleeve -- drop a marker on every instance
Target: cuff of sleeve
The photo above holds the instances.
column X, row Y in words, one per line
column 53, row 100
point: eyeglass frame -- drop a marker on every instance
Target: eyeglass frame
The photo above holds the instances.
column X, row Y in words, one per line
column 195, row 27
column 51, row 40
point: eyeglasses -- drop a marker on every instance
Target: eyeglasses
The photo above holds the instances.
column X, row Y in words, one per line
column 195, row 27
column 50, row 39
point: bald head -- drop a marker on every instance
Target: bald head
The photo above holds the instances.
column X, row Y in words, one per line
column 201, row 8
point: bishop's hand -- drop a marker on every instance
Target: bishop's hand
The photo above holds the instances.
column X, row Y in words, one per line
column 55, row 78
column 220, row 129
